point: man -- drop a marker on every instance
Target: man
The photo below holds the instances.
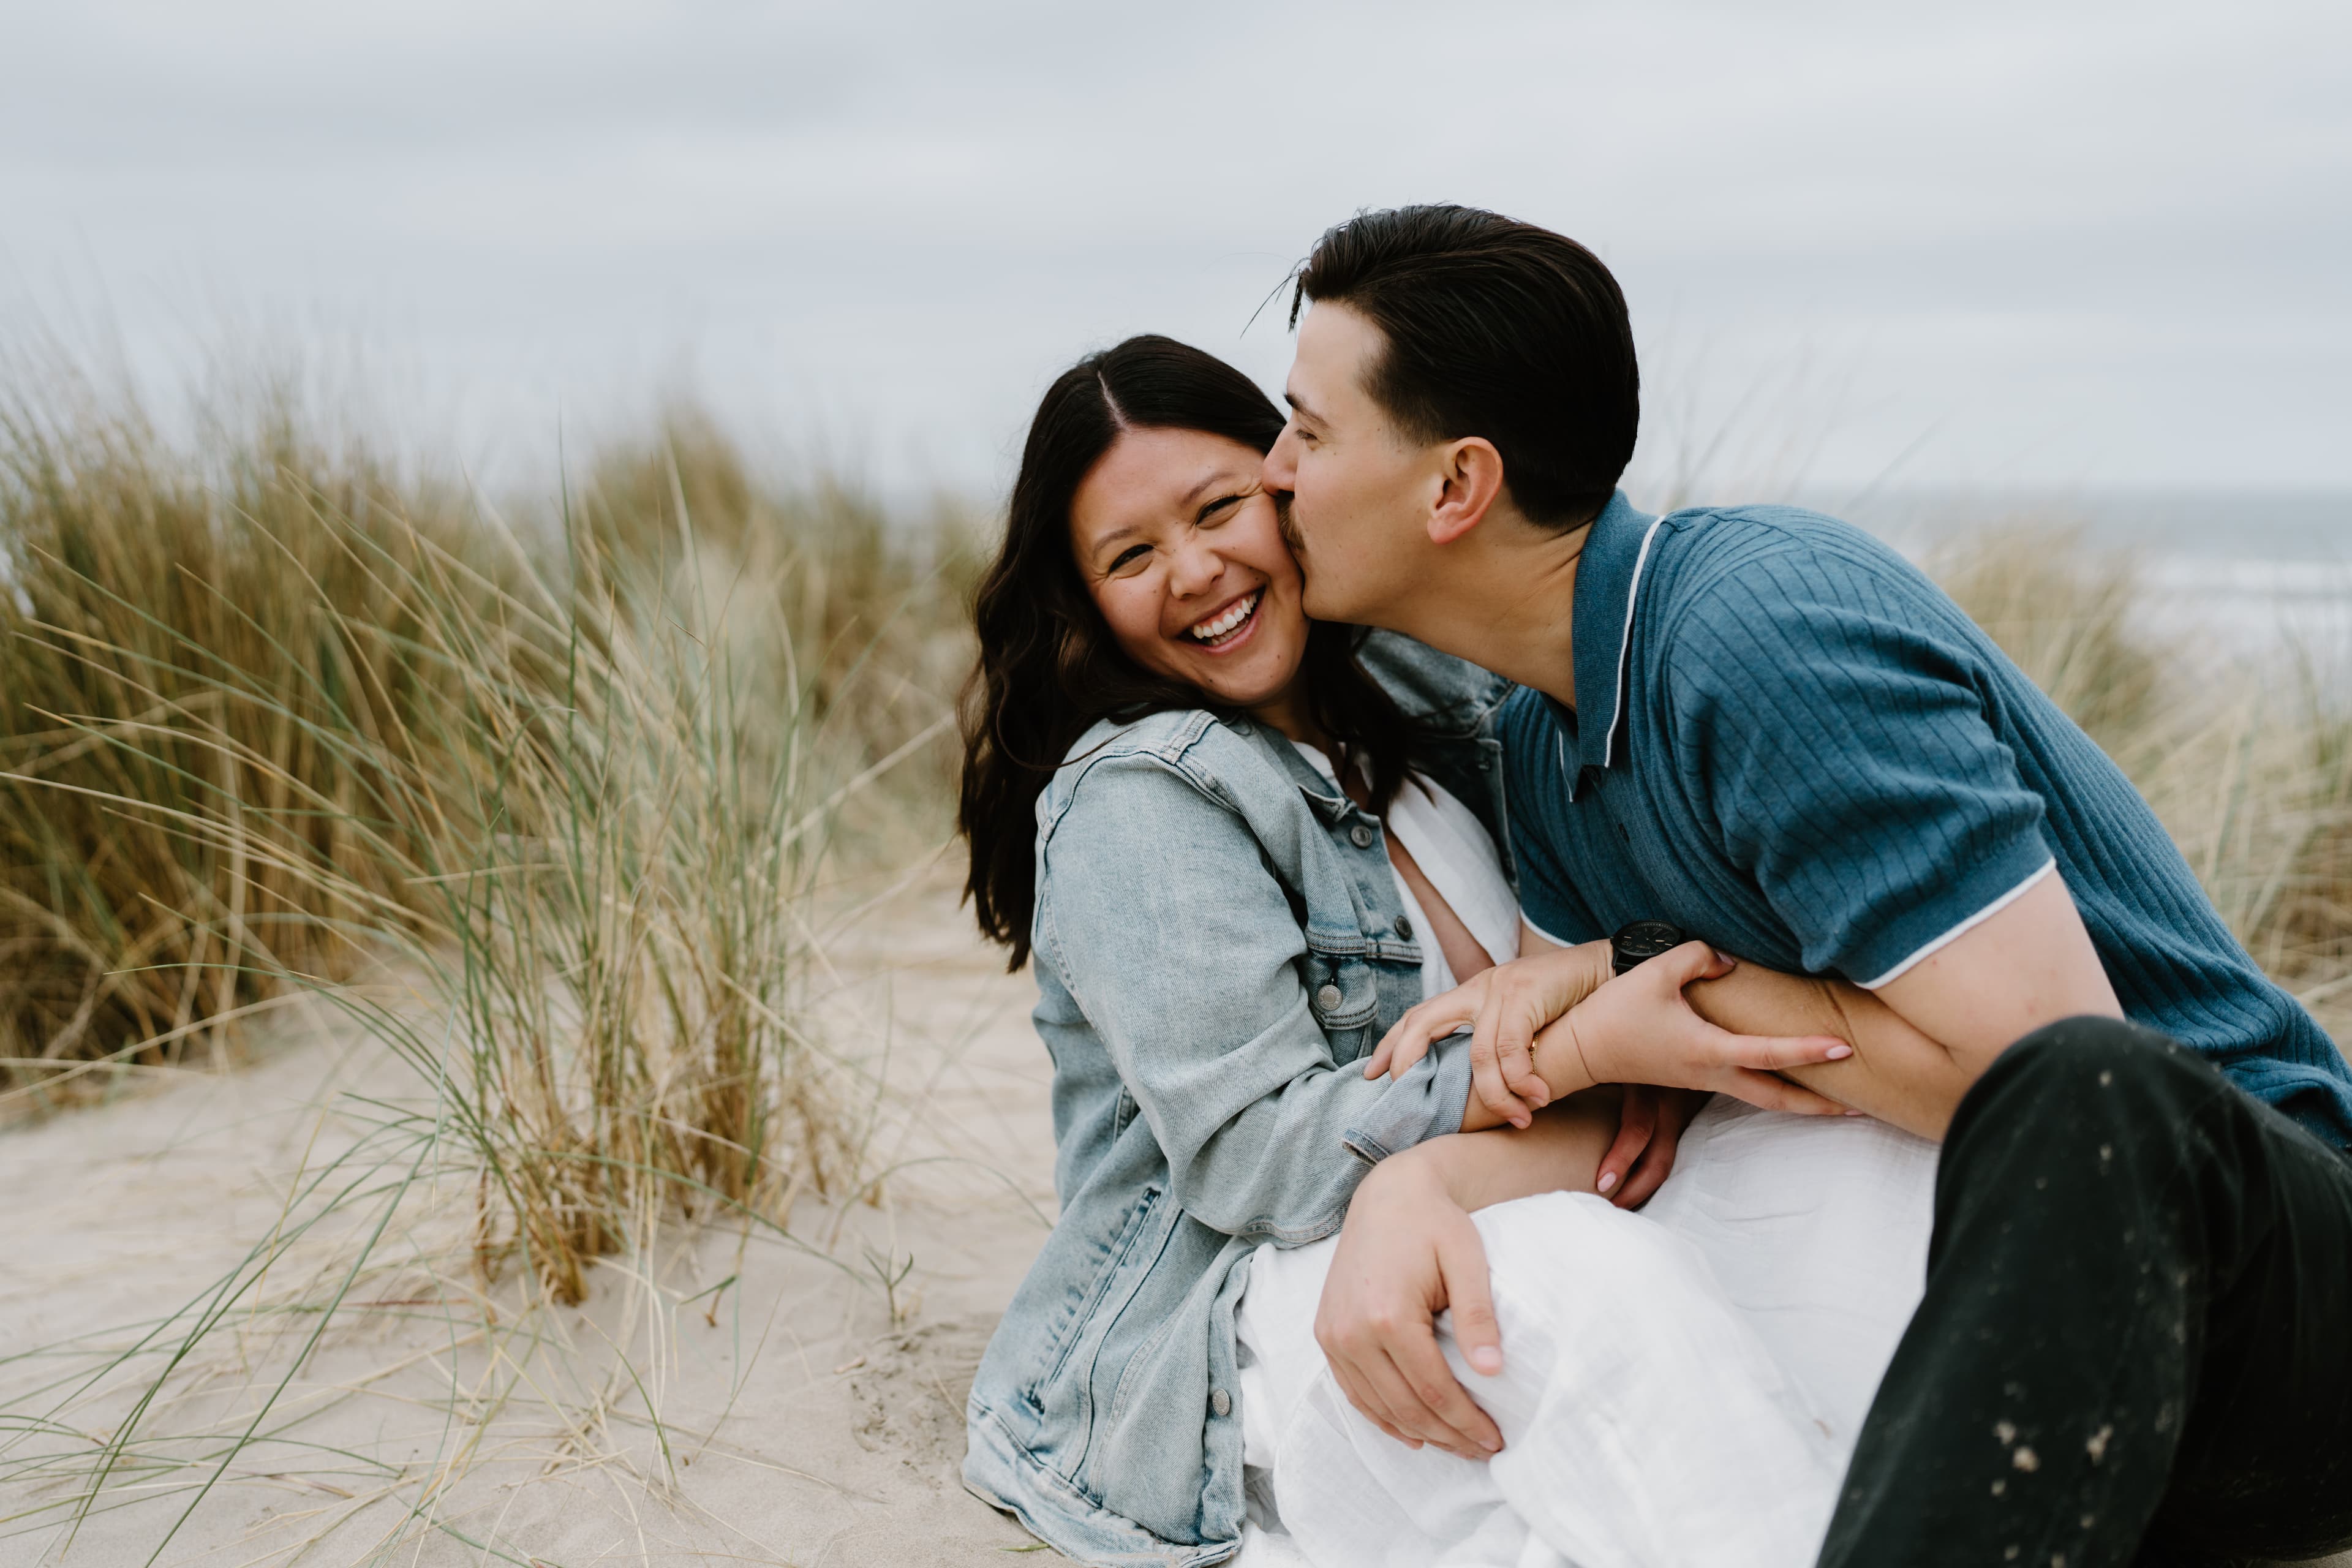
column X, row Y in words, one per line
column 1763, row 727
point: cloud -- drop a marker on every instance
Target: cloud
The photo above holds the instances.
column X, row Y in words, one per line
column 2096, row 242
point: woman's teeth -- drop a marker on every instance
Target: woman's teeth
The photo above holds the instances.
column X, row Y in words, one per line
column 1222, row 626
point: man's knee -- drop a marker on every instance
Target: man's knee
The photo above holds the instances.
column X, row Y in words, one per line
column 2089, row 1083
column 2077, row 1064
column 2060, row 1167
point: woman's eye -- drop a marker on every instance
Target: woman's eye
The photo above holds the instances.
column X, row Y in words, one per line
column 1217, row 511
column 1130, row 556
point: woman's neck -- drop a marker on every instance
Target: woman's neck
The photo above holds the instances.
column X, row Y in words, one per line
column 1288, row 710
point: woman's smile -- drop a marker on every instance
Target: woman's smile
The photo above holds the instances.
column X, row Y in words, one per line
column 1231, row 626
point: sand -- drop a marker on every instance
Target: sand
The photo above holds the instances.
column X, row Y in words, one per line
column 810, row 1415
column 810, row 1405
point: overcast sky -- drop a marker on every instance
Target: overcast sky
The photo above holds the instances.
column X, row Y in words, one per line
column 1990, row 243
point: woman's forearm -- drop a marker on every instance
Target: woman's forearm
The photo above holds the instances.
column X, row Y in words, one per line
column 1896, row 1074
column 1559, row 1151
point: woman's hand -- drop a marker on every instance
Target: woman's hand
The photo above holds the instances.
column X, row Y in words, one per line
column 1650, row 1125
column 1509, row 1002
column 1640, row 1028
column 1407, row 1252
column 1588, row 1028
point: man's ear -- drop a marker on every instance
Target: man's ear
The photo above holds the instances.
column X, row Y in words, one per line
column 1470, row 476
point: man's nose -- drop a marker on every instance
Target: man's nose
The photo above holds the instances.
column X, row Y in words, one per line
column 1280, row 469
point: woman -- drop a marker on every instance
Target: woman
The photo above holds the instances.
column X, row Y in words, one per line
column 1239, row 846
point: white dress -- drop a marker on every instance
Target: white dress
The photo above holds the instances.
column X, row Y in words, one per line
column 1680, row 1386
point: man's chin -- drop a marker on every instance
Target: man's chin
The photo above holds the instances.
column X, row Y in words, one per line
column 1316, row 610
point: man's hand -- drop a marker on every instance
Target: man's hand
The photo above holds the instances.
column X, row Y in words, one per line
column 1553, row 1025
column 1511, row 1001
column 1407, row 1253
column 1649, row 1130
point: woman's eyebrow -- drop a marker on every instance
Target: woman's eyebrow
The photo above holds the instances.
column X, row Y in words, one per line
column 1206, row 483
column 1201, row 487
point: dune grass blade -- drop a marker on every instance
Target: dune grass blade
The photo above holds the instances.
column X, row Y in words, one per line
column 274, row 718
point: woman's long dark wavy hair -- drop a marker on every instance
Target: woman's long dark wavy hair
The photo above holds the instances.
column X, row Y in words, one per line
column 1048, row 667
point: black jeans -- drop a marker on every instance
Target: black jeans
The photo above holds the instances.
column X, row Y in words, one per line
column 2136, row 1346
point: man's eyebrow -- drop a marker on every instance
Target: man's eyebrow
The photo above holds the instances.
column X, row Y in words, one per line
column 1297, row 404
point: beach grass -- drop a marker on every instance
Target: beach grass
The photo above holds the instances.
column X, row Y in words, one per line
column 543, row 796
column 2245, row 753
column 277, row 712
column 547, row 796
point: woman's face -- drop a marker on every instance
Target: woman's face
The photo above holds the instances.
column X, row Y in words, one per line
column 1179, row 543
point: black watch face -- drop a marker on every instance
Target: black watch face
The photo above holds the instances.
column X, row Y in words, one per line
column 1642, row 940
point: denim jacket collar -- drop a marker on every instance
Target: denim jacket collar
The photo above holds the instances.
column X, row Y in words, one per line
column 1330, row 803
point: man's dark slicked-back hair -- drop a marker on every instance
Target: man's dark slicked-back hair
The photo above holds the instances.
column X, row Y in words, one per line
column 1495, row 329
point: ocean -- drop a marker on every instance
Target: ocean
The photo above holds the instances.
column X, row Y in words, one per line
column 2262, row 573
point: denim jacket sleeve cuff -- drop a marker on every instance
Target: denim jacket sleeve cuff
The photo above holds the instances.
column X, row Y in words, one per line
column 1424, row 1103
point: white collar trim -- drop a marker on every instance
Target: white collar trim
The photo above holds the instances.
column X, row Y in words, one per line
column 1625, row 647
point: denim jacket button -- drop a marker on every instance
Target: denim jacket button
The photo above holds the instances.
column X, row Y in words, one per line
column 1404, row 927
column 1328, row 998
column 1221, row 1401
column 1361, row 836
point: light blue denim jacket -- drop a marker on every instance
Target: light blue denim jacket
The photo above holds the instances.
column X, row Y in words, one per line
column 1217, row 937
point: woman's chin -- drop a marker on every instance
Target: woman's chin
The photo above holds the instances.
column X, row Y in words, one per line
column 1261, row 682
column 1257, row 667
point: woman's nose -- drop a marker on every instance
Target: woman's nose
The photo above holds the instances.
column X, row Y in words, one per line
column 1194, row 567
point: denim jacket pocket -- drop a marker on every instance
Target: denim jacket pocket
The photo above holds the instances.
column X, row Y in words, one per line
column 1126, row 1258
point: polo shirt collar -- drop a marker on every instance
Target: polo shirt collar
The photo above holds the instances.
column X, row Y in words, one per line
column 1608, row 575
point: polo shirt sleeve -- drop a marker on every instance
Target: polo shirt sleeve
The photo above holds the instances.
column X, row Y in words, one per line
column 1829, row 718
column 1537, row 773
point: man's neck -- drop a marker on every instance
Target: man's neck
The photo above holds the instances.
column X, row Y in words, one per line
column 1508, row 604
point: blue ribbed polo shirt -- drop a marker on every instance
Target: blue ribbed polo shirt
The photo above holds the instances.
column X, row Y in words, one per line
column 1790, row 742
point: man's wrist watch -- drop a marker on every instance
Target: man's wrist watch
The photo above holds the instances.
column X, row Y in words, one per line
column 1642, row 940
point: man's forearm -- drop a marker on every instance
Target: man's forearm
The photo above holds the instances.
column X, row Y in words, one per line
column 1922, row 1040
column 1896, row 1073
column 1919, row 1041
column 1560, row 1152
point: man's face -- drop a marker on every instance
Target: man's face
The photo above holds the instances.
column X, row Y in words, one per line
column 1359, row 492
